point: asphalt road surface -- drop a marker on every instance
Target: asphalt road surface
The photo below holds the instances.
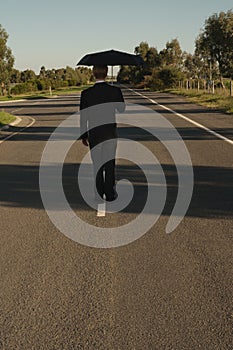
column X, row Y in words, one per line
column 160, row 292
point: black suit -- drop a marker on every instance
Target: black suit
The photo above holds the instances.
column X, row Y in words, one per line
column 98, row 105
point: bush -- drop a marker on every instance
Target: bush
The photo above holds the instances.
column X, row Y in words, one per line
column 64, row 83
column 23, row 88
column 169, row 77
column 156, row 84
column 43, row 84
column 165, row 78
column 71, row 82
column 39, row 85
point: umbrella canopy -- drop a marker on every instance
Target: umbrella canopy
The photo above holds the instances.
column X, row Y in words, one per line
column 111, row 58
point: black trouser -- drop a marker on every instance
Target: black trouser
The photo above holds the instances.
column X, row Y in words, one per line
column 103, row 158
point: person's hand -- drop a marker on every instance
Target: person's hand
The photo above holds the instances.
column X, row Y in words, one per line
column 85, row 142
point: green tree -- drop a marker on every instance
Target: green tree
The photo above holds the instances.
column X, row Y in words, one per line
column 60, row 75
column 71, row 76
column 27, row 75
column 15, row 76
column 142, row 49
column 124, row 74
column 42, row 74
column 152, row 60
column 6, row 60
column 189, row 66
column 215, row 43
column 172, row 55
column 169, row 77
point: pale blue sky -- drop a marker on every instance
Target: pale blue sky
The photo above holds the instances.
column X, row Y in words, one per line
column 57, row 33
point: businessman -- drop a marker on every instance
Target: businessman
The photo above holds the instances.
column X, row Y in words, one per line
column 98, row 107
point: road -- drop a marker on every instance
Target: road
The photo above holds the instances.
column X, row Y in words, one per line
column 162, row 291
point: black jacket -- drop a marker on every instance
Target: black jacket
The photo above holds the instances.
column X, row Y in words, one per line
column 98, row 105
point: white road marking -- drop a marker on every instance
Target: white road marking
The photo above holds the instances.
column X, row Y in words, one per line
column 29, row 104
column 101, row 209
column 221, row 137
column 16, row 121
column 17, row 110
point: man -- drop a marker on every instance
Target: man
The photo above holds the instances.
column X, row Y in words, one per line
column 98, row 106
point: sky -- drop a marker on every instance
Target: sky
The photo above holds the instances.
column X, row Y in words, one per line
column 57, row 33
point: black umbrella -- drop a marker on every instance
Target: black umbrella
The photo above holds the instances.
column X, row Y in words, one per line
column 111, row 58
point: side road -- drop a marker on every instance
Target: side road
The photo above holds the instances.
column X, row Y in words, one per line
column 18, row 125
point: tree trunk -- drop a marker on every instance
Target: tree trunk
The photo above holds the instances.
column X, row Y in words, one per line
column 2, row 88
column 222, row 82
column 204, row 84
column 231, row 87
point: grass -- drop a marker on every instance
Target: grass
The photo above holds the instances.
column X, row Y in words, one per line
column 71, row 90
column 216, row 101
column 6, row 118
column 45, row 94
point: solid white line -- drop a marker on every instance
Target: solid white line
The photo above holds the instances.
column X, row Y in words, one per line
column 15, row 133
column 187, row 119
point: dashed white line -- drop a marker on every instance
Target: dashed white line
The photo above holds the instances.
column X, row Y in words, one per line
column 101, row 209
column 29, row 104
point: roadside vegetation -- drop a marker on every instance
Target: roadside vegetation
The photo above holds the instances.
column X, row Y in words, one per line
column 6, row 118
column 216, row 101
column 205, row 77
column 45, row 93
